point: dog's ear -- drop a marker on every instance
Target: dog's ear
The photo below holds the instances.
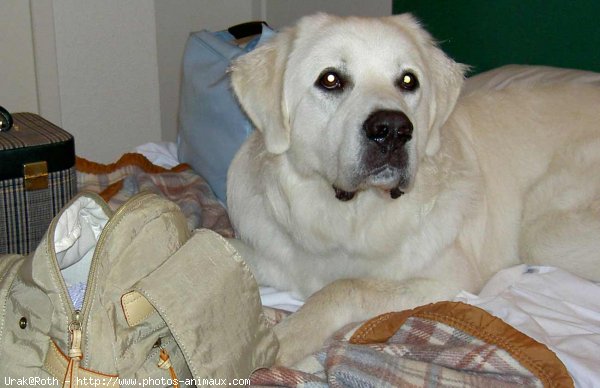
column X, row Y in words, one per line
column 257, row 79
column 446, row 78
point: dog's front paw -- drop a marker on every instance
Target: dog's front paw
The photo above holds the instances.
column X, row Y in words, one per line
column 296, row 341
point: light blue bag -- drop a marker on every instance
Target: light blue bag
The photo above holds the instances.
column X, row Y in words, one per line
column 212, row 126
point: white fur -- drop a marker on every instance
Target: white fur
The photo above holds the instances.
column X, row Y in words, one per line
column 498, row 160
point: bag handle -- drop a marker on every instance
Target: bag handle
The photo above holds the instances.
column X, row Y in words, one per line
column 6, row 120
column 244, row 30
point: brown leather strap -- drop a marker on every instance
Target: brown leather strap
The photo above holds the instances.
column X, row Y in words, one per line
column 56, row 364
column 136, row 308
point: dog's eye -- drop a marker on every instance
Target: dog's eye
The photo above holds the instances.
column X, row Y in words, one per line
column 330, row 80
column 408, row 81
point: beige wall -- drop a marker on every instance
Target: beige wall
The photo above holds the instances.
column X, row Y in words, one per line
column 46, row 66
column 107, row 74
column 109, row 71
column 284, row 12
column 17, row 69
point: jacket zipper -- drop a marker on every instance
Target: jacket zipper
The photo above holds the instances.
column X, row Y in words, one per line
column 71, row 378
column 78, row 318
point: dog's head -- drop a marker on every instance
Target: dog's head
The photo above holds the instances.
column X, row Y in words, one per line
column 356, row 101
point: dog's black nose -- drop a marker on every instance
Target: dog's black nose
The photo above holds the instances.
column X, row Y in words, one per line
column 388, row 128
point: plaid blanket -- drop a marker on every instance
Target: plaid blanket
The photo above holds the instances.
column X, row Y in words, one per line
column 446, row 344
column 133, row 173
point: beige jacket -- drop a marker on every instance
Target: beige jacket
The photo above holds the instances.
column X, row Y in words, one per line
column 155, row 293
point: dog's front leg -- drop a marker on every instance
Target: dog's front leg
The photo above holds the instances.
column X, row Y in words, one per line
column 350, row 300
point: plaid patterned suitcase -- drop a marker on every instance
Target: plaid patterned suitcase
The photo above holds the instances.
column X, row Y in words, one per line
column 37, row 178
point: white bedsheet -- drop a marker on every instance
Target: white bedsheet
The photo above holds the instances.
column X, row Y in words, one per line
column 162, row 154
column 283, row 300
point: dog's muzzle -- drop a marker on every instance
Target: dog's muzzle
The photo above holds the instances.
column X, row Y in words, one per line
column 385, row 157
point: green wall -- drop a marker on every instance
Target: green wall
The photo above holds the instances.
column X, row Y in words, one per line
column 490, row 33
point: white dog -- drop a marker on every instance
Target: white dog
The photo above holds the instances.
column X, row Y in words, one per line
column 370, row 181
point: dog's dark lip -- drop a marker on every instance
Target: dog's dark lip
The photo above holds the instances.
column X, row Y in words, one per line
column 345, row 196
column 396, row 193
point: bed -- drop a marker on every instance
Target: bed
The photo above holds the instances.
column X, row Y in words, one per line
column 447, row 344
column 530, row 326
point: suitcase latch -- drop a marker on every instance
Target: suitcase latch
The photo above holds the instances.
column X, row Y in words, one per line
column 36, row 175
